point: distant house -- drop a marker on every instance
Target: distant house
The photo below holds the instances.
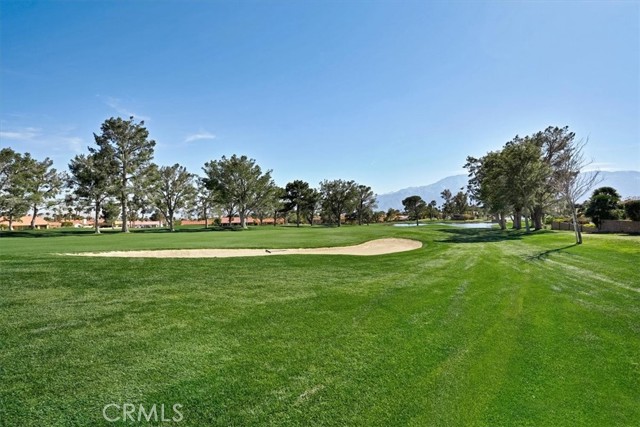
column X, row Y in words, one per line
column 24, row 222
column 269, row 221
column 234, row 221
column 194, row 222
column 140, row 224
column 82, row 223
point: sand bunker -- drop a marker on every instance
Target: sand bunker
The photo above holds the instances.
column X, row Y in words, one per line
column 373, row 247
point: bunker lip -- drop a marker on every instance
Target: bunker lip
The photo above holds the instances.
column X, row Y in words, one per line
column 372, row 247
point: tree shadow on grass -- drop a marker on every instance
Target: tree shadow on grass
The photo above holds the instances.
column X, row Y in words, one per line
column 544, row 255
column 477, row 235
column 46, row 233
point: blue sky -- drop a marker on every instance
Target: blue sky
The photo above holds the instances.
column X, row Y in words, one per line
column 391, row 94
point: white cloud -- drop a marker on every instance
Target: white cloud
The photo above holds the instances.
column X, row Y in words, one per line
column 116, row 104
column 199, row 136
column 601, row 166
column 25, row 134
column 74, row 143
column 31, row 138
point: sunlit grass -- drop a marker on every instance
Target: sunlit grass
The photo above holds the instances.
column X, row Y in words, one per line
column 479, row 327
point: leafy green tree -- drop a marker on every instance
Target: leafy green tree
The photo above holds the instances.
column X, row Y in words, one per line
column 130, row 147
column 93, row 178
column 296, row 197
column 8, row 159
column 529, row 175
column 311, row 205
column 391, row 215
column 110, row 212
column 365, row 203
column 488, row 184
column 603, row 204
column 378, row 216
column 555, row 144
column 414, row 206
column 204, row 201
column 43, row 184
column 239, row 184
column 277, row 206
column 171, row 188
column 432, row 208
column 447, row 205
column 338, row 198
column 459, row 203
column 14, row 184
column 632, row 209
column 522, row 165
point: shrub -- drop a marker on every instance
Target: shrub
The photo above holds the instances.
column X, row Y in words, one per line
column 632, row 209
column 66, row 224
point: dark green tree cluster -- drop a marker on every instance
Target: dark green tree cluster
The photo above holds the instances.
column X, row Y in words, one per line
column 120, row 169
column 632, row 209
column 341, row 199
column 529, row 175
column 415, row 207
column 26, row 184
column 604, row 203
column 118, row 173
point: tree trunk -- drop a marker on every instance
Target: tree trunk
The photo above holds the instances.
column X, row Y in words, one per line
column 537, row 216
column 33, row 218
column 171, row 227
column 576, row 226
column 297, row 216
column 97, row 217
column 502, row 220
column 517, row 219
column 526, row 222
column 10, row 222
column 206, row 218
column 125, row 218
column 243, row 220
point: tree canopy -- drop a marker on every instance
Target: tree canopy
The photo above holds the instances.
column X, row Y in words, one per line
column 128, row 144
column 603, row 204
column 170, row 188
column 415, row 207
column 238, row 183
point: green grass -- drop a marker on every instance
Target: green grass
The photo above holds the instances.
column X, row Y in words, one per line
column 479, row 327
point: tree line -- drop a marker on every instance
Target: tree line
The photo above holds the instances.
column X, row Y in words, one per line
column 531, row 175
column 118, row 178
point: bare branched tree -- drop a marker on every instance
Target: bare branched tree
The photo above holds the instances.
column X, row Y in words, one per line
column 573, row 183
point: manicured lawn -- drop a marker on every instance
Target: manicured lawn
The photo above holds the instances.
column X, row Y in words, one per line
column 479, row 327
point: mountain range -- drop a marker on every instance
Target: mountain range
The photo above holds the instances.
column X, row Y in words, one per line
column 626, row 182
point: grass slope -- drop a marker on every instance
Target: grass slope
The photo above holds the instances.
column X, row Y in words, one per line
column 479, row 327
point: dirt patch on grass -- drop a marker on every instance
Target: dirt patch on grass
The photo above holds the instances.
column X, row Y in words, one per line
column 372, row 247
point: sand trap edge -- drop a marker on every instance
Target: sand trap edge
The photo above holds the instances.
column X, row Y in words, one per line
column 370, row 248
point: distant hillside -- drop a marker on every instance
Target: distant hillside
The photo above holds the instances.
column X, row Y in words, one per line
column 427, row 192
column 626, row 182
